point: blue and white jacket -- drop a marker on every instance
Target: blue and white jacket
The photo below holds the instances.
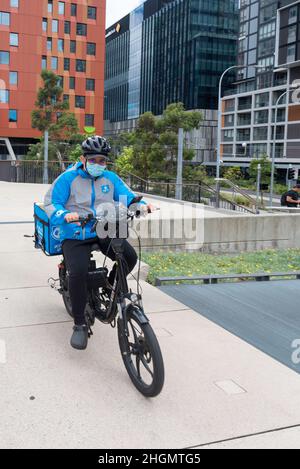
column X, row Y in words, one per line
column 76, row 191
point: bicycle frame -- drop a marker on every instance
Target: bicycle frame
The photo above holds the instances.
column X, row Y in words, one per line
column 120, row 287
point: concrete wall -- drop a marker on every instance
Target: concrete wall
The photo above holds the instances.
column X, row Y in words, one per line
column 223, row 231
column 235, row 234
column 251, row 233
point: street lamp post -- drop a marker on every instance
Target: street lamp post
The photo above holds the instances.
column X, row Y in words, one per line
column 286, row 92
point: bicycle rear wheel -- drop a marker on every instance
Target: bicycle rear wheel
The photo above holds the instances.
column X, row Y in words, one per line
column 141, row 355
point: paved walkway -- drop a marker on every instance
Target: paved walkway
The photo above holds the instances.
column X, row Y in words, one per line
column 218, row 387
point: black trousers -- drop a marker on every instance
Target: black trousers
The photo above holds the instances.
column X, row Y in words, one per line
column 77, row 256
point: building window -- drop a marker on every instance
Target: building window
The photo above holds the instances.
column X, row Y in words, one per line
column 50, row 6
column 13, row 115
column 14, row 3
column 89, row 120
column 60, row 45
column 91, row 48
column 291, row 53
column 4, row 58
column 243, row 135
column 262, row 100
column 44, row 62
column 280, row 115
column 293, row 14
column 80, row 101
column 81, row 29
column 14, row 39
column 260, row 133
column 259, row 149
column 4, row 18
column 229, row 105
column 13, row 78
column 72, row 83
column 73, row 9
column 67, row 27
column 66, row 97
column 292, row 33
column 4, row 96
column 73, row 47
column 229, row 120
column 92, row 13
column 265, row 64
column 261, row 117
column 60, row 81
column 266, row 47
column 45, row 24
column 267, row 30
column 268, row 13
column 80, row 65
column 228, row 135
column 49, row 43
column 90, row 84
column 66, row 64
column 54, row 63
column 244, row 119
column 61, row 8
column 55, row 26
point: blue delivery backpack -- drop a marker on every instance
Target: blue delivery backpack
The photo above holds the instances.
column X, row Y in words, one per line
column 47, row 236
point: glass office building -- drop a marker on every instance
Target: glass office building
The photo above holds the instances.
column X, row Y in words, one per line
column 169, row 51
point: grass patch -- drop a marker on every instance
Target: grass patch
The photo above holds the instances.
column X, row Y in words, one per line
column 188, row 264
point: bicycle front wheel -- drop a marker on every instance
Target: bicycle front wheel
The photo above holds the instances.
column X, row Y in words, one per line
column 141, row 355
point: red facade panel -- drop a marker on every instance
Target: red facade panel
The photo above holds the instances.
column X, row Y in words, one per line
column 26, row 59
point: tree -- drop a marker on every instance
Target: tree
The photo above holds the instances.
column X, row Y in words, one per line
column 233, row 173
column 154, row 142
column 124, row 163
column 52, row 117
column 266, row 168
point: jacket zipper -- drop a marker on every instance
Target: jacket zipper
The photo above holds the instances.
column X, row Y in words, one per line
column 93, row 197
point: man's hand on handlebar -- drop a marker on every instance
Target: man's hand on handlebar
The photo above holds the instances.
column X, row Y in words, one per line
column 72, row 218
column 151, row 208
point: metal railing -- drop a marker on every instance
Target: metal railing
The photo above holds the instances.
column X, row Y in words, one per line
column 191, row 192
column 31, row 171
column 237, row 191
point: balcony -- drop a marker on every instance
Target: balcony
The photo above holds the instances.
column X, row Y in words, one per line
column 245, row 103
column 244, row 119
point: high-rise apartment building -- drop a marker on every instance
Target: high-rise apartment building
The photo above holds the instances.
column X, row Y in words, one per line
column 269, row 62
column 67, row 37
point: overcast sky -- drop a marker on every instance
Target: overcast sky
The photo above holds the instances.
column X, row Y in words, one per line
column 116, row 9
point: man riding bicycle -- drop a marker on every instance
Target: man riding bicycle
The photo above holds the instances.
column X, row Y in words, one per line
column 77, row 193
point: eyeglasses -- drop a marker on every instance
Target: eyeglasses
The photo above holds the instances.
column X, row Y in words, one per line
column 101, row 161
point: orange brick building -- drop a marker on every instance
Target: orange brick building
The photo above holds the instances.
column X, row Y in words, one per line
column 67, row 37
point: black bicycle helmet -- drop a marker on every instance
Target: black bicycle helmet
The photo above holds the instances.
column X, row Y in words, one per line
column 95, row 146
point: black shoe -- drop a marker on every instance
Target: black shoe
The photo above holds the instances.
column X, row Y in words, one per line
column 80, row 337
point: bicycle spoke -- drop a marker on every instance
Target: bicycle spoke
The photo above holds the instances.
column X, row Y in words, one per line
column 142, row 358
column 138, row 366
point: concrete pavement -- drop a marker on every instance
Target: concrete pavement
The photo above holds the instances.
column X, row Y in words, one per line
column 217, row 387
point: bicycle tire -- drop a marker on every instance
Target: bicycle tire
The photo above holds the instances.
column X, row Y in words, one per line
column 152, row 346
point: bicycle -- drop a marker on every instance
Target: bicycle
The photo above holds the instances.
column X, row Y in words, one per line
column 122, row 308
